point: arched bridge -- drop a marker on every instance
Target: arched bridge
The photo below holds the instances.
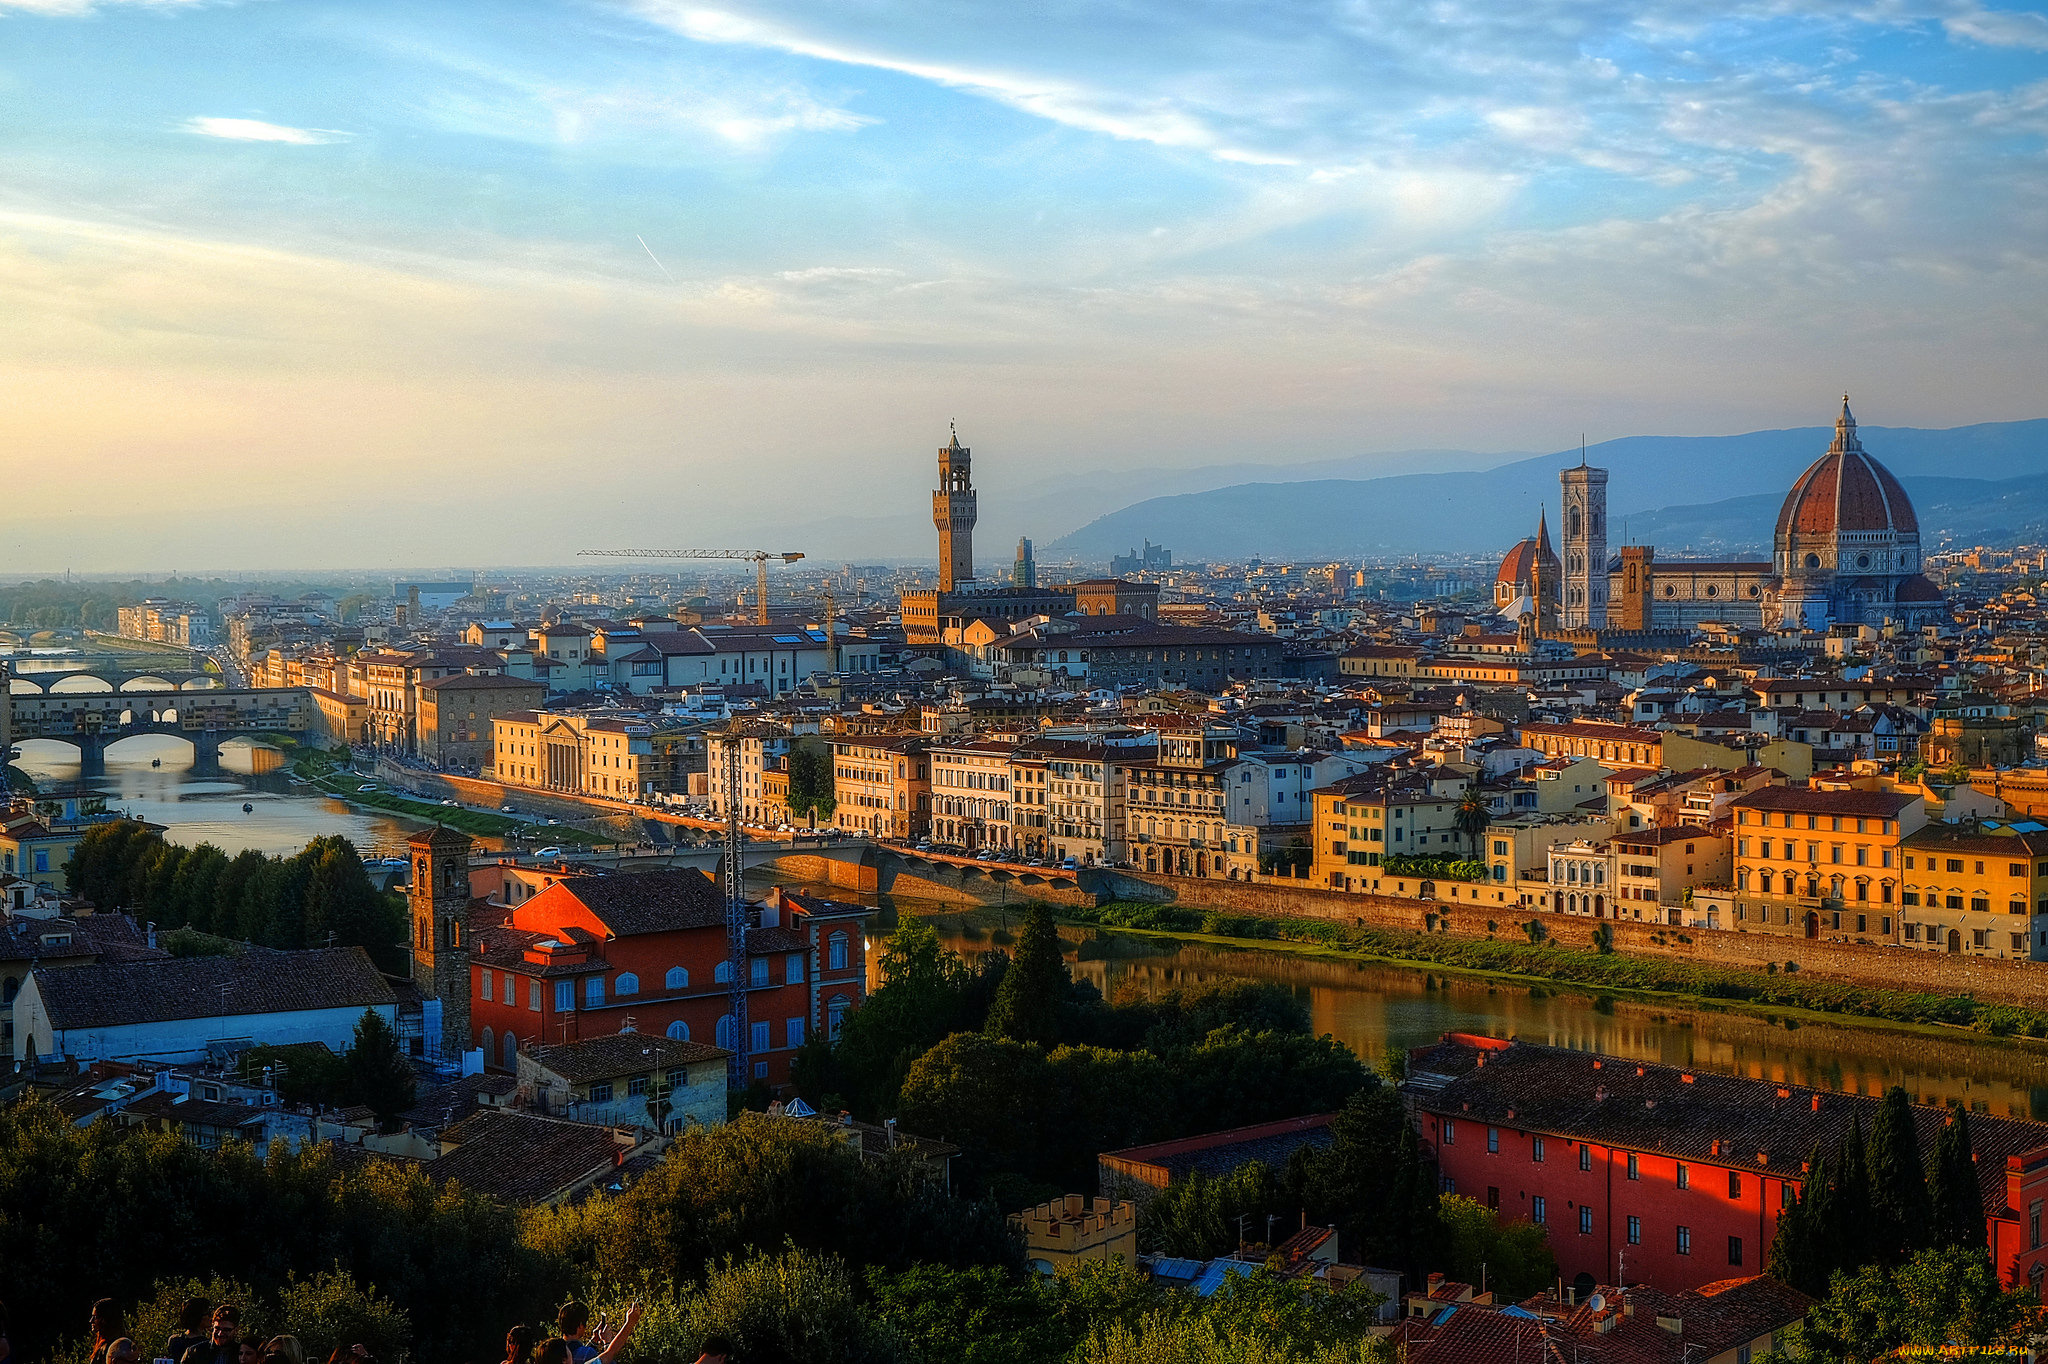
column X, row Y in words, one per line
column 92, row 722
column 103, row 681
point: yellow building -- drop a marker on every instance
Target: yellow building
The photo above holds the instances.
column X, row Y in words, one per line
column 1821, row 863
column 1362, row 821
column 1174, row 804
column 1977, row 891
column 573, row 754
column 881, row 786
column 1077, row 1228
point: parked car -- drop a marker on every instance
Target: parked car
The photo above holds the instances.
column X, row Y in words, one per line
column 367, row 786
column 547, row 852
column 451, row 801
column 1069, row 864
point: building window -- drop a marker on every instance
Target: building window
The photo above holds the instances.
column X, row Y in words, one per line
column 1585, row 1156
column 677, row 979
column 1536, row 1149
column 678, row 1031
column 1450, row 1131
column 565, row 996
column 835, row 1016
column 601, row 1092
column 793, row 968
column 1734, row 1184
column 1536, row 1210
column 1493, row 1141
column 1685, row 1240
column 593, row 991
column 1585, row 1221
column 722, row 973
column 636, row 1086
column 532, row 996
column 836, row 952
column 757, row 971
column 1635, row 1231
column 760, row 1039
column 1684, row 1176
column 486, row 977
column 626, row 984
column 725, row 1031
column 1633, row 1171
column 1735, row 1250
column 793, row 1033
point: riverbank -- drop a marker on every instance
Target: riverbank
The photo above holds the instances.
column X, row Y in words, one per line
column 320, row 771
column 1537, row 963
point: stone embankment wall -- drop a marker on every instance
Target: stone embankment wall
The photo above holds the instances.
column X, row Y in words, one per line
column 1897, row 968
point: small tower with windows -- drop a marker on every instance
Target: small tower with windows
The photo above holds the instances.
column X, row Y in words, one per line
column 439, row 902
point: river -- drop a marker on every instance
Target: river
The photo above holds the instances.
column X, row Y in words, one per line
column 1376, row 1008
column 195, row 809
column 1371, row 1008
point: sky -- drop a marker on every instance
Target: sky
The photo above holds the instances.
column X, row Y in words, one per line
column 293, row 283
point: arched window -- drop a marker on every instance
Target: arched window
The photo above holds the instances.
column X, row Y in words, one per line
column 489, row 1039
column 626, row 984
column 836, row 956
column 678, row 979
column 511, row 1051
column 725, row 1031
column 679, row 1031
column 722, row 974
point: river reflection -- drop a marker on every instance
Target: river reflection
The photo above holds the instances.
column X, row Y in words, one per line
column 193, row 809
column 1374, row 1009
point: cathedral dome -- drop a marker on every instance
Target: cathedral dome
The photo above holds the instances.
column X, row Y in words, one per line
column 1845, row 492
column 1514, row 570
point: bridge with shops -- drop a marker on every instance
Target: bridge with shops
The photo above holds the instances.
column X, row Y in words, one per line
column 92, row 722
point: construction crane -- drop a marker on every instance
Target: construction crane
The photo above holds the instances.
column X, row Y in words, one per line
column 758, row 557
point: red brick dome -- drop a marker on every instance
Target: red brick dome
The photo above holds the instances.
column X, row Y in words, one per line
column 1845, row 491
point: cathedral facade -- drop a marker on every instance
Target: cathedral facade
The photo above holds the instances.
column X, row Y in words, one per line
column 1846, row 551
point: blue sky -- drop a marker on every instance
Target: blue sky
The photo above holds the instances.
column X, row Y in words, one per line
column 423, row 283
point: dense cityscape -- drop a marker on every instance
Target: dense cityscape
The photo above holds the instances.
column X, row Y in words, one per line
column 924, row 682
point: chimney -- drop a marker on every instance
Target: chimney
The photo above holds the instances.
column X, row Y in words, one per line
column 1816, row 1103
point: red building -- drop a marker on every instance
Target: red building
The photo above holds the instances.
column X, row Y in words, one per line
column 588, row 952
column 1648, row 1174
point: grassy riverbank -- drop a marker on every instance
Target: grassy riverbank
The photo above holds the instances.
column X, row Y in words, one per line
column 324, row 772
column 1541, row 962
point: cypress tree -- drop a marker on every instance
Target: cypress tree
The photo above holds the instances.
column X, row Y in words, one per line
column 1802, row 1253
column 1027, row 1003
column 1851, row 1203
column 1957, row 1200
column 1899, row 1206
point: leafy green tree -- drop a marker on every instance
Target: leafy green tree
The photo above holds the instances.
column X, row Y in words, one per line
column 1937, row 1298
column 1513, row 1259
column 1027, row 1005
column 926, row 992
column 331, row 1311
column 1373, row 1184
column 1199, row 1217
column 978, row 1315
column 985, row 1093
column 379, row 1076
column 797, row 1307
column 1899, row 1210
column 1956, row 1211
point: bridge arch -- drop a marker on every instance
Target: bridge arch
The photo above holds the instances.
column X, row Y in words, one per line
column 142, row 748
column 199, row 684
column 21, row 686
column 78, row 683
column 149, row 682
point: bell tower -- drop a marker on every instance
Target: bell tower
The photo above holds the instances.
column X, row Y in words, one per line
column 953, row 512
column 1584, row 598
column 439, row 905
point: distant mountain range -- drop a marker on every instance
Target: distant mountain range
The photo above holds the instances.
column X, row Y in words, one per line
column 1670, row 491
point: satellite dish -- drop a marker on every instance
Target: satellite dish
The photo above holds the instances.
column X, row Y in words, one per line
column 1598, row 1302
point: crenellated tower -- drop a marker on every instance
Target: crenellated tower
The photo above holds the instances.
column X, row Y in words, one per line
column 953, row 512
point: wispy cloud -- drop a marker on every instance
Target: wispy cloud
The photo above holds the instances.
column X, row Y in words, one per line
column 72, row 9
column 256, row 130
